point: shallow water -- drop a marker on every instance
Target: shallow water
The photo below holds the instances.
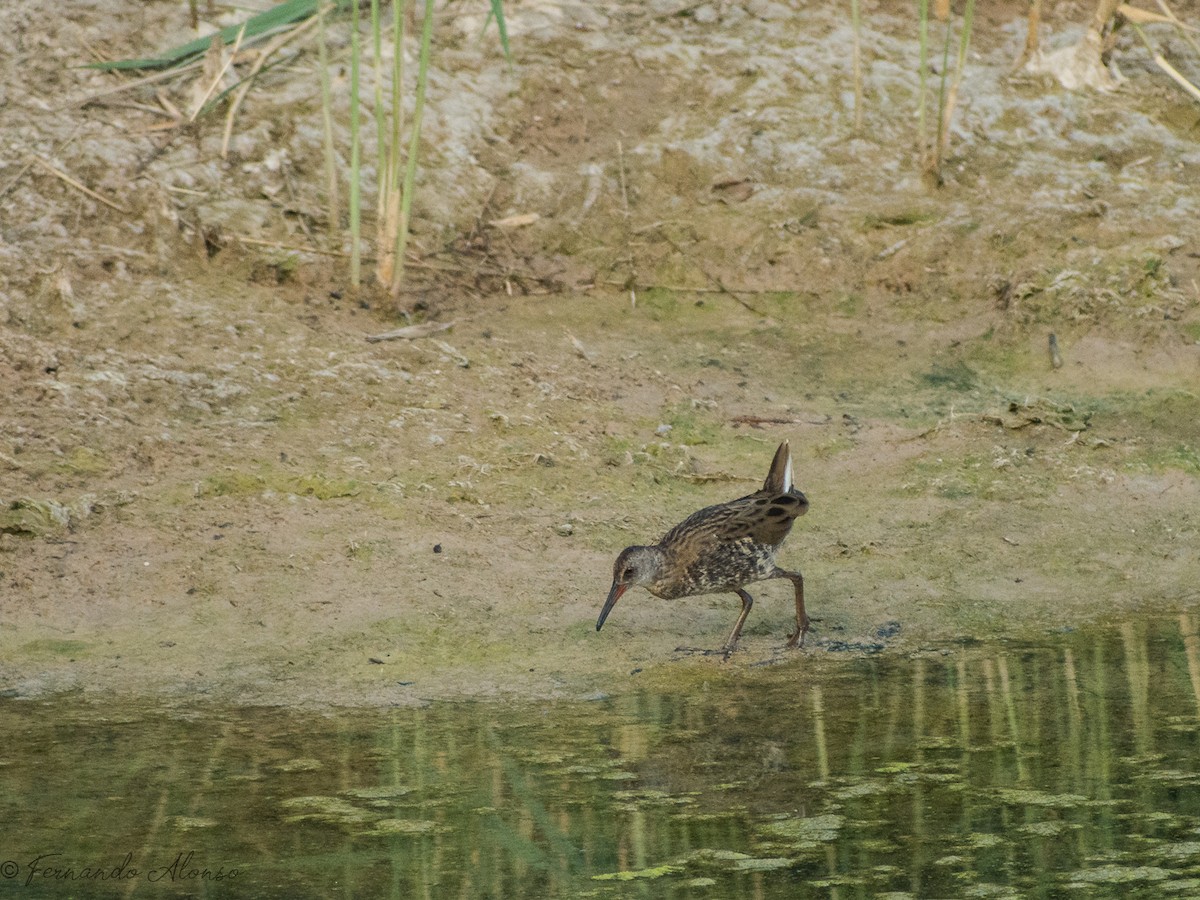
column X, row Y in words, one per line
column 1070, row 768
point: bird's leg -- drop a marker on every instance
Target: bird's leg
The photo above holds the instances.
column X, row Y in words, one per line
column 747, row 602
column 796, row 639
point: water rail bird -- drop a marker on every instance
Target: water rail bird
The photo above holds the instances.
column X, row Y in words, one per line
column 721, row 548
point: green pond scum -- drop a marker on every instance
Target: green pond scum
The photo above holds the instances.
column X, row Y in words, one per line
column 1065, row 768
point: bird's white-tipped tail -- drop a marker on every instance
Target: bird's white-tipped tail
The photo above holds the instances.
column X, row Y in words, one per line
column 779, row 478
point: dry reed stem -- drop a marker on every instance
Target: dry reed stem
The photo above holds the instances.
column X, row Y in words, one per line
column 1161, row 61
column 1145, row 17
column 227, row 61
column 1176, row 76
column 331, row 174
column 1032, row 38
column 172, row 111
column 385, row 265
column 141, row 82
column 858, row 76
column 387, row 201
column 947, row 117
column 1183, row 29
column 243, row 89
column 1104, row 11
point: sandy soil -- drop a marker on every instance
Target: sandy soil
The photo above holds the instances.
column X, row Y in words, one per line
column 213, row 486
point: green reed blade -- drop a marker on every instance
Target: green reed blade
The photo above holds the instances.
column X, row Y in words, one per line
column 355, row 152
column 256, row 27
column 497, row 12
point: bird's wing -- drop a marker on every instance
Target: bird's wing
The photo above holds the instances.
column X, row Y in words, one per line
column 763, row 517
column 766, row 517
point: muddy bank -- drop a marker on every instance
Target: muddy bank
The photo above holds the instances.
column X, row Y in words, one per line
column 216, row 487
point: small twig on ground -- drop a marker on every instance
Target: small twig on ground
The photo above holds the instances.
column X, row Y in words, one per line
column 709, row 477
column 411, row 332
column 759, row 421
column 139, row 107
column 579, row 347
column 259, row 242
column 166, row 75
column 625, row 212
column 714, row 279
column 684, row 289
column 57, row 173
column 411, row 261
column 12, row 182
column 478, row 226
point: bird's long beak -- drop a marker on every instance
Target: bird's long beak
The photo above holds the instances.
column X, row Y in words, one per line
column 614, row 595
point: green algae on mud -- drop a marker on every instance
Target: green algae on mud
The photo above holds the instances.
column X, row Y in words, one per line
column 247, row 484
column 944, row 483
column 1008, row 769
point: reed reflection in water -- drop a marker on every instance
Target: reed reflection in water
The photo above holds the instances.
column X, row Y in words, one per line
column 1067, row 767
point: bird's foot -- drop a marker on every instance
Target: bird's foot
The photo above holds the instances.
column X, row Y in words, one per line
column 797, row 638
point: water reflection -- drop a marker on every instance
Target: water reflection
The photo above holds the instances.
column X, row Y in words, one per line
column 1035, row 771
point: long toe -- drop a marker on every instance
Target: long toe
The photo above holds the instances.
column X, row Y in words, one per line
column 797, row 639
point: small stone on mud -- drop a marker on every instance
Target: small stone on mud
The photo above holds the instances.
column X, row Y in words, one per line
column 888, row 629
column 768, row 10
column 437, row 548
column 852, row 647
column 566, row 529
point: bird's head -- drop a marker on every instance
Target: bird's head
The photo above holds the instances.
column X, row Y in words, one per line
column 635, row 565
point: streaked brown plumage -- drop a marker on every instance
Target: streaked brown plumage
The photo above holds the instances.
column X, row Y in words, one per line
column 721, row 548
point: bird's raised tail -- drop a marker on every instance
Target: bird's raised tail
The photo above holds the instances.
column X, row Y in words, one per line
column 779, row 479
